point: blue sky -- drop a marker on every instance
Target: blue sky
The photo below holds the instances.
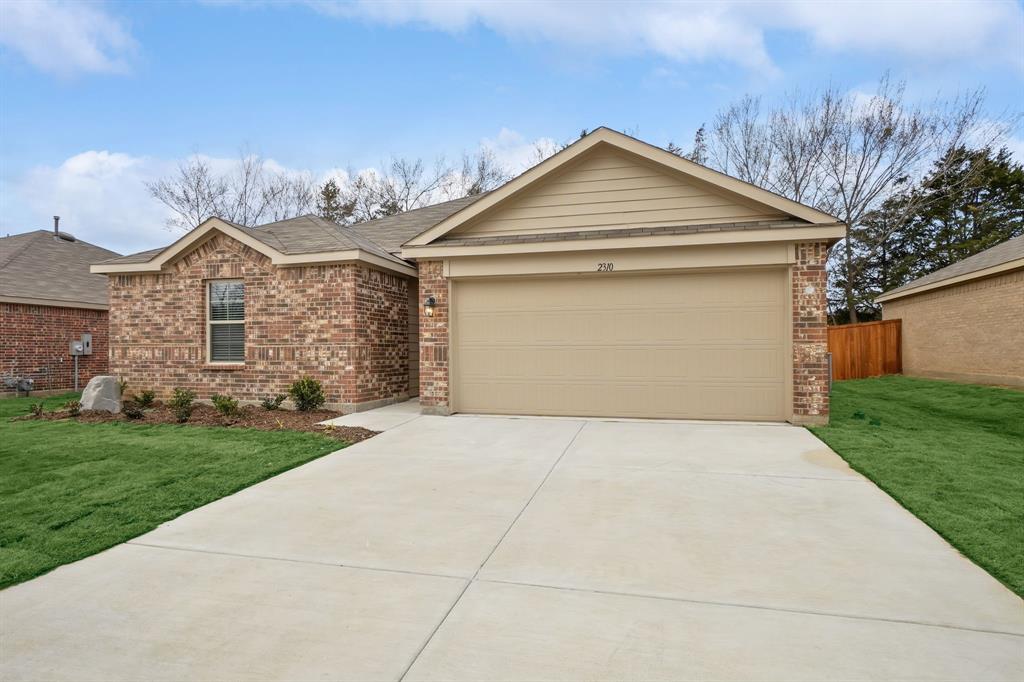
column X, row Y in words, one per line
column 95, row 99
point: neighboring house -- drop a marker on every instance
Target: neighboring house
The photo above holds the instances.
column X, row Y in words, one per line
column 48, row 298
column 612, row 279
column 966, row 321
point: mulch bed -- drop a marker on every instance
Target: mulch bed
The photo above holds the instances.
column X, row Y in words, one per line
column 249, row 417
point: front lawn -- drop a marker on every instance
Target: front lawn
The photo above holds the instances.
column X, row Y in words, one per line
column 953, row 454
column 69, row 489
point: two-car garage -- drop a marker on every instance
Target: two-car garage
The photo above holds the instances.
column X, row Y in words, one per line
column 706, row 345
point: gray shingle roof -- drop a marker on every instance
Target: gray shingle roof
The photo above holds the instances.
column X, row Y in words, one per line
column 38, row 265
column 393, row 231
column 1010, row 250
column 312, row 234
column 621, row 232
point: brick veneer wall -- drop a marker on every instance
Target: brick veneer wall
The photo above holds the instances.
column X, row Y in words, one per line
column 434, row 339
column 968, row 332
column 344, row 324
column 810, row 334
column 35, row 344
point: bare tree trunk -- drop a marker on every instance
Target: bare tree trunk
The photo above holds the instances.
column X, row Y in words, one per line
column 851, row 299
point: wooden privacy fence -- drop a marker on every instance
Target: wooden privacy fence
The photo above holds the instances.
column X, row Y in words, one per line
column 868, row 349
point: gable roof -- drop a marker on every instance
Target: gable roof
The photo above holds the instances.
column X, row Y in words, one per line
column 1008, row 255
column 303, row 240
column 607, row 137
column 42, row 269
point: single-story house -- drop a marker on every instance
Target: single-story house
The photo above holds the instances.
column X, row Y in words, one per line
column 965, row 322
column 48, row 298
column 612, row 279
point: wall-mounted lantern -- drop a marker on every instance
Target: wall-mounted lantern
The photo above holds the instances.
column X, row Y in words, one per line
column 428, row 306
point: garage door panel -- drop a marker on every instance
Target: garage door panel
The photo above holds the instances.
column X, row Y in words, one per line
column 707, row 345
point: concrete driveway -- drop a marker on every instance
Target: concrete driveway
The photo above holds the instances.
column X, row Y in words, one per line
column 479, row 548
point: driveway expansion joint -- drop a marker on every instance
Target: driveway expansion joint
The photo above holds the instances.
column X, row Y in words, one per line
column 483, row 563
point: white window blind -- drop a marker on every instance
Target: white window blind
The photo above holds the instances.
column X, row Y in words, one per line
column 227, row 321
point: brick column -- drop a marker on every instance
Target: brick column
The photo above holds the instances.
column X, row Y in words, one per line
column 810, row 334
column 433, row 339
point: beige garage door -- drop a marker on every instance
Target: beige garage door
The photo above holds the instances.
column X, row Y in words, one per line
column 706, row 345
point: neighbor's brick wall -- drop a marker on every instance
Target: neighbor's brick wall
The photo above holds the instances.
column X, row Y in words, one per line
column 434, row 339
column 968, row 332
column 810, row 334
column 35, row 344
column 344, row 324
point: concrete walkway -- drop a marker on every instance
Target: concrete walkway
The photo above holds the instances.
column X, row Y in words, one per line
column 479, row 548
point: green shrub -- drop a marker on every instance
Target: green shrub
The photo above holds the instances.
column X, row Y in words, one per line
column 181, row 404
column 122, row 385
column 146, row 399
column 36, row 409
column 131, row 410
column 225, row 404
column 73, row 407
column 273, row 403
column 307, row 393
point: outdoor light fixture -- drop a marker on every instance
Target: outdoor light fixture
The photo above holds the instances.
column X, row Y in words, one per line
column 428, row 306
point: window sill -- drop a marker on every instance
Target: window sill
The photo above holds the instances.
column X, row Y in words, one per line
column 224, row 366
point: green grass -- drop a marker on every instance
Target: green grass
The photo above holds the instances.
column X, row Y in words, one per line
column 69, row 490
column 953, row 454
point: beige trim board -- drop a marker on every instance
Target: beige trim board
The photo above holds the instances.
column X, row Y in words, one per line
column 205, row 231
column 796, row 234
column 622, row 260
column 611, row 138
column 53, row 303
column 966, row 277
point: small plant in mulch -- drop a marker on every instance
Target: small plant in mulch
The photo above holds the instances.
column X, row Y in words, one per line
column 146, row 398
column 73, row 407
column 225, row 405
column 36, row 409
column 122, row 385
column 274, row 402
column 308, row 394
column 132, row 410
column 181, row 404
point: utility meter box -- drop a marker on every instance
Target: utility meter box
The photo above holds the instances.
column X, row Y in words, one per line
column 86, row 344
column 76, row 347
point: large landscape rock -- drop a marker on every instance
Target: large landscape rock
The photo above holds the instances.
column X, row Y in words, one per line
column 102, row 393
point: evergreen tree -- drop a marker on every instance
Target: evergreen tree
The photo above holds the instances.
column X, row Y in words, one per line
column 331, row 203
column 699, row 153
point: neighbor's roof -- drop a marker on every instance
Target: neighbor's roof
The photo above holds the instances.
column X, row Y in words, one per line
column 42, row 269
column 999, row 258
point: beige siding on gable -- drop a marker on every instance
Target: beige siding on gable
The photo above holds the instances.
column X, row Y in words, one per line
column 608, row 189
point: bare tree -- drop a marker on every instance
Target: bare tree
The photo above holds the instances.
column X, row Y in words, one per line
column 846, row 154
column 247, row 194
column 480, row 173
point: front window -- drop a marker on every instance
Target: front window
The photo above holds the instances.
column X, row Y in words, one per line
column 226, row 321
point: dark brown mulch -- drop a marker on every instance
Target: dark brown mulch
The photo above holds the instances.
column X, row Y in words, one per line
column 249, row 417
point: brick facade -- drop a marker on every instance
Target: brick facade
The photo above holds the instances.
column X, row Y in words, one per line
column 810, row 334
column 434, row 339
column 35, row 344
column 344, row 324
column 967, row 332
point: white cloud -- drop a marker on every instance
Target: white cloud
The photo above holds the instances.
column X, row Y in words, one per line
column 733, row 32
column 65, row 38
column 102, row 197
column 515, row 153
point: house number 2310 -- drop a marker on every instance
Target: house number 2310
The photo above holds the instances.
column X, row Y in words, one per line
column 605, row 267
